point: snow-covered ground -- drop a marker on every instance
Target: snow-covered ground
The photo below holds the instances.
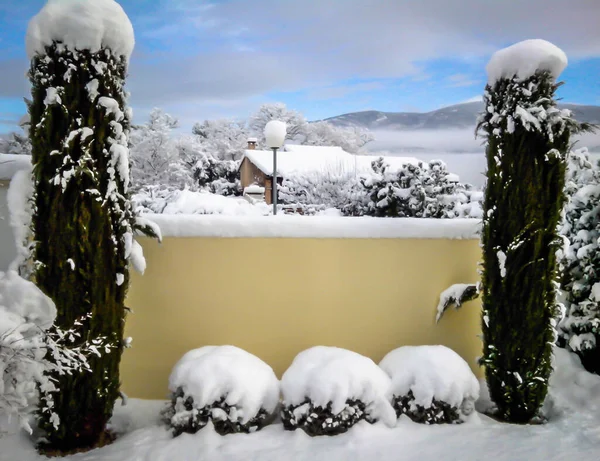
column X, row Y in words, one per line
column 573, row 433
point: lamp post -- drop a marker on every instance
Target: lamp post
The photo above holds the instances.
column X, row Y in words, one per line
column 275, row 132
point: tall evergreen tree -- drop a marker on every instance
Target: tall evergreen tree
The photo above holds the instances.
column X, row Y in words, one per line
column 528, row 140
column 83, row 223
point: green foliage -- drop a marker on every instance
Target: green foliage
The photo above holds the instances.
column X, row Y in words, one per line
column 528, row 142
column 82, row 222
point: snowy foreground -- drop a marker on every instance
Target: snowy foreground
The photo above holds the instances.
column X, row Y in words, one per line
column 572, row 433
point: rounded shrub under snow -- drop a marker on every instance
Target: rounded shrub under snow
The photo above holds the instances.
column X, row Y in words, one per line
column 328, row 390
column 431, row 384
column 228, row 386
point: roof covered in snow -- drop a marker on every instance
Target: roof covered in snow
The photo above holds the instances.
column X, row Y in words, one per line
column 83, row 25
column 293, row 159
column 10, row 164
column 524, row 59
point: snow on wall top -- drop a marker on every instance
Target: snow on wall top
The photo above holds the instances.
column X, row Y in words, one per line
column 294, row 226
column 83, row 25
column 524, row 59
column 305, row 159
column 10, row 164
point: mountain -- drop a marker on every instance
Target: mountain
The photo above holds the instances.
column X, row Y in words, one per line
column 458, row 116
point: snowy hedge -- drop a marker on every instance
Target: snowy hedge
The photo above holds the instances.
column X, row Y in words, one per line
column 328, row 390
column 431, row 384
column 225, row 385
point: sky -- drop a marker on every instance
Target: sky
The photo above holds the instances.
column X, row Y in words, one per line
column 200, row 59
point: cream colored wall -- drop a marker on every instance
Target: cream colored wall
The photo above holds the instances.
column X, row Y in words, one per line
column 277, row 297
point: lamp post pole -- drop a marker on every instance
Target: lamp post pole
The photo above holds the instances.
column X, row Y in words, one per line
column 274, row 181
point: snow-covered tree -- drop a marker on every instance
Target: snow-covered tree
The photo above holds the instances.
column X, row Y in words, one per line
column 423, row 190
column 351, row 139
column 222, row 139
column 154, row 152
column 528, row 140
column 295, row 122
column 299, row 131
column 580, row 261
column 83, row 223
column 16, row 144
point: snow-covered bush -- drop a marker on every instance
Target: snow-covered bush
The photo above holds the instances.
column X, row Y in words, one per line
column 431, row 384
column 228, row 386
column 328, row 390
column 175, row 201
column 580, row 261
column 331, row 188
column 424, row 190
column 218, row 176
column 31, row 349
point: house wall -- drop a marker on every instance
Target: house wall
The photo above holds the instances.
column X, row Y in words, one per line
column 275, row 297
column 250, row 174
column 8, row 251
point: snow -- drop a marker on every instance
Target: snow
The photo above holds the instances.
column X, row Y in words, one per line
column 21, row 299
column 524, row 59
column 112, row 107
column 136, row 257
column 212, row 372
column 254, row 189
column 187, row 202
column 571, row 434
column 333, row 375
column 52, row 97
column 321, row 226
column 11, row 163
column 502, row 263
column 449, row 296
column 293, row 159
column 82, row 25
column 275, row 132
column 432, row 372
column 18, row 197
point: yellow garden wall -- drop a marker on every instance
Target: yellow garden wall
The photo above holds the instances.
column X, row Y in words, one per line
column 275, row 297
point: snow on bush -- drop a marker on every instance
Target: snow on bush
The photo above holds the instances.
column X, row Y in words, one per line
column 30, row 349
column 327, row 390
column 431, row 384
column 414, row 190
column 82, row 26
column 580, row 260
column 234, row 389
column 334, row 187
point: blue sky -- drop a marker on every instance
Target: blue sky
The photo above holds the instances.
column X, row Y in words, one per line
column 210, row 59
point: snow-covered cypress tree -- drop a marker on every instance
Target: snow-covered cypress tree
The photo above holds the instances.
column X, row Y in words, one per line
column 528, row 139
column 83, row 222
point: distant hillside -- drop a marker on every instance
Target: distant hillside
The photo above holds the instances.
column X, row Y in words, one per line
column 459, row 116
